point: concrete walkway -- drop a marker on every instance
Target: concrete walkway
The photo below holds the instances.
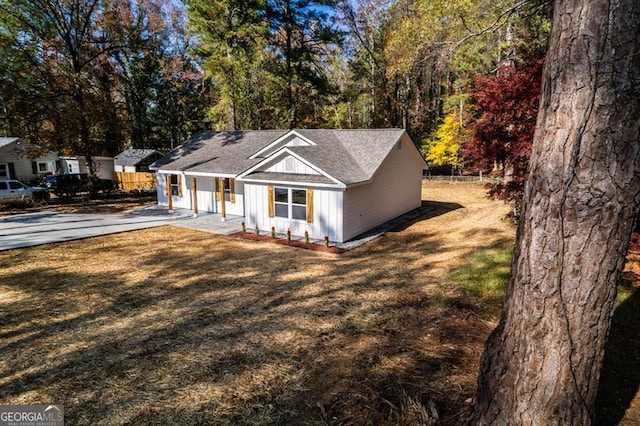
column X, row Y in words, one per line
column 34, row 229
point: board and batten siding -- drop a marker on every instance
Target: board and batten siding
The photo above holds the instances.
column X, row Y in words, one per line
column 327, row 213
column 291, row 164
column 206, row 193
column 183, row 202
column 395, row 189
column 291, row 141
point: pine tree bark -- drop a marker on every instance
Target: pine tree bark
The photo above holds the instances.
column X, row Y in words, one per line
column 541, row 365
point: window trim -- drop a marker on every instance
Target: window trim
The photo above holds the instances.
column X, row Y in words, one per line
column 289, row 203
column 174, row 181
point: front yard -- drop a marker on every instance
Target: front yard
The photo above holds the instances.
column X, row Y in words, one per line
column 172, row 326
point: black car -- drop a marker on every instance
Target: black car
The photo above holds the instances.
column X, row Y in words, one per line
column 74, row 183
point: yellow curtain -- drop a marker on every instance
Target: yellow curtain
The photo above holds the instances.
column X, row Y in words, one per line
column 309, row 205
column 272, row 207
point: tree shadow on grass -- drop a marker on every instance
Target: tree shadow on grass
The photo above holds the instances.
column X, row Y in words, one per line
column 201, row 329
column 620, row 375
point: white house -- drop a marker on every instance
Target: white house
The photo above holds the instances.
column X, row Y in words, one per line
column 23, row 161
column 335, row 183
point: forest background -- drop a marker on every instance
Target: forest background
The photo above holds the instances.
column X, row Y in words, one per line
column 95, row 77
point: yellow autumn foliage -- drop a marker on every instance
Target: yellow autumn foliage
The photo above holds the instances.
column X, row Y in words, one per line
column 444, row 148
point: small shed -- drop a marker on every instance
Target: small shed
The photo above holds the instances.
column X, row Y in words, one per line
column 131, row 169
column 135, row 160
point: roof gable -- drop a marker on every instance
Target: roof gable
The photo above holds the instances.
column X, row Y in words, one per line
column 291, row 138
column 303, row 170
column 342, row 156
column 7, row 141
column 133, row 157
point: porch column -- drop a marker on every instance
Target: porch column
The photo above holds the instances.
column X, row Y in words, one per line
column 223, row 211
column 167, row 180
column 194, row 194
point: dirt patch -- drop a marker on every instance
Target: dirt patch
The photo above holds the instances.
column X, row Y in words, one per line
column 290, row 243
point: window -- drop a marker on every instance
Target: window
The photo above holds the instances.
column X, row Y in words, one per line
column 227, row 189
column 281, row 198
column 42, row 167
column 290, row 203
column 299, row 204
column 3, row 185
column 4, row 171
column 15, row 185
column 175, row 190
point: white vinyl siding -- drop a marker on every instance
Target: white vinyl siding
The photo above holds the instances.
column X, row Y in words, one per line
column 22, row 165
column 396, row 189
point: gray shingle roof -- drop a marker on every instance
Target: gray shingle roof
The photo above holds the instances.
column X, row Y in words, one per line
column 290, row 177
column 7, row 141
column 351, row 156
column 218, row 152
column 132, row 157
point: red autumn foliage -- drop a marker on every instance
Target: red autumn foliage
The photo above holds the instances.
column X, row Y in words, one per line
column 634, row 243
column 506, row 107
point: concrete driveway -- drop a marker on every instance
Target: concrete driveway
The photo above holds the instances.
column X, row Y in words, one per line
column 49, row 227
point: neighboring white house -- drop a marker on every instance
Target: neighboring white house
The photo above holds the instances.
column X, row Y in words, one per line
column 23, row 161
column 335, row 183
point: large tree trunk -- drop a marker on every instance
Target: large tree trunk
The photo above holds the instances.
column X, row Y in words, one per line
column 542, row 363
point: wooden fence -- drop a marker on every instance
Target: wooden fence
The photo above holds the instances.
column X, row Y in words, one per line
column 139, row 181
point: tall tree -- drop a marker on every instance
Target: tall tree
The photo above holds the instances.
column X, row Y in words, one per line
column 62, row 43
column 541, row 365
column 232, row 38
column 507, row 106
column 267, row 58
column 302, row 33
column 366, row 90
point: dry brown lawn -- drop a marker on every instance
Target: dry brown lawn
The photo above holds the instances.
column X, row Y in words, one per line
column 172, row 326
